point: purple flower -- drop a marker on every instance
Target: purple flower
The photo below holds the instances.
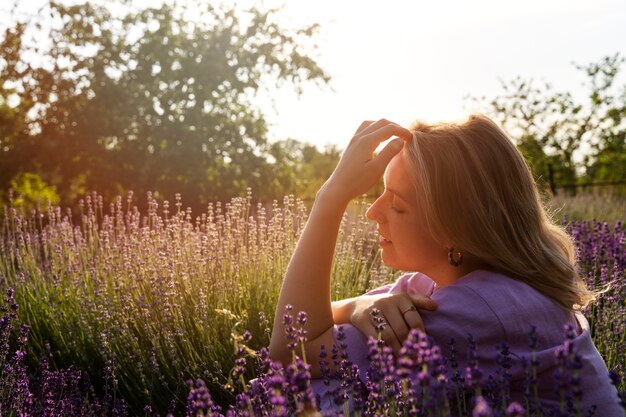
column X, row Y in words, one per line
column 473, row 374
column 199, row 401
column 481, row 408
column 515, row 410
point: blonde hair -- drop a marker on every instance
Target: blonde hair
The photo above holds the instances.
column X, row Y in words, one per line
column 483, row 200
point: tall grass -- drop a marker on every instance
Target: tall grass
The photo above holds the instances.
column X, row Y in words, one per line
column 159, row 298
column 605, row 206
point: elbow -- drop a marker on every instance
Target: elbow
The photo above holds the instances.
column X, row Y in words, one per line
column 284, row 357
column 280, row 354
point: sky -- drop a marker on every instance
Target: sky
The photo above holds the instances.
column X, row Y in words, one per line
column 407, row 60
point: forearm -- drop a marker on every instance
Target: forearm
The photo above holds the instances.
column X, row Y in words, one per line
column 306, row 286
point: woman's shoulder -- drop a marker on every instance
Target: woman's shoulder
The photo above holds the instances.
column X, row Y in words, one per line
column 488, row 280
column 489, row 300
column 497, row 290
column 463, row 310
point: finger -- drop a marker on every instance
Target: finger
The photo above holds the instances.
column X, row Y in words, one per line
column 366, row 327
column 422, row 302
column 367, row 127
column 390, row 338
column 385, row 156
column 373, row 126
column 413, row 319
column 408, row 311
column 374, row 138
column 398, row 325
column 363, row 126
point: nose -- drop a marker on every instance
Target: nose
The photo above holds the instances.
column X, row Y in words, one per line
column 374, row 212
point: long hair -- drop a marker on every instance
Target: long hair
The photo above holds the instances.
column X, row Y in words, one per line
column 477, row 192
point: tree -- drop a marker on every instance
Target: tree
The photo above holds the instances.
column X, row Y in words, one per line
column 32, row 192
column 584, row 142
column 150, row 99
column 301, row 168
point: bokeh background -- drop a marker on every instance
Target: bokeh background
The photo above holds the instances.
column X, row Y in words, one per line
column 207, row 99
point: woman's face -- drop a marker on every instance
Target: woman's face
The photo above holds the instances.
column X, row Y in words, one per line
column 404, row 238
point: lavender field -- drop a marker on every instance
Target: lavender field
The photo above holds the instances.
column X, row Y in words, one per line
column 115, row 311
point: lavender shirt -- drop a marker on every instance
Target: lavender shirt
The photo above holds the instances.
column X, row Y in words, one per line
column 496, row 309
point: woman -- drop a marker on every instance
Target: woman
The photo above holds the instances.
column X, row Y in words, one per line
column 461, row 207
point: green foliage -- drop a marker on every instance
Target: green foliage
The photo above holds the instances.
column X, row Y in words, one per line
column 583, row 141
column 300, row 168
column 30, row 192
column 155, row 98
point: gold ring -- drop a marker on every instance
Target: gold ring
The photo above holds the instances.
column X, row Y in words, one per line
column 412, row 308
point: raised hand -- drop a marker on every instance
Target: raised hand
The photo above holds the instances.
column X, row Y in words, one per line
column 358, row 169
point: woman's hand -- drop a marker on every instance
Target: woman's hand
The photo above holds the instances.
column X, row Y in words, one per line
column 358, row 170
column 399, row 310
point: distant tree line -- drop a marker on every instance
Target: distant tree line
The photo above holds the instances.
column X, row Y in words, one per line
column 116, row 99
column 151, row 99
column 581, row 140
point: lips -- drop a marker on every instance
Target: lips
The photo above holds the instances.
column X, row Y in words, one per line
column 383, row 240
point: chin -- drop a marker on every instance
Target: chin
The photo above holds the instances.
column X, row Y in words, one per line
column 391, row 262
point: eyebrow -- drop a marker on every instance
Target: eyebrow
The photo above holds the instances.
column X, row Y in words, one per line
column 398, row 194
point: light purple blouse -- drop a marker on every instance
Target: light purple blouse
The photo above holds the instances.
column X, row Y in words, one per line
column 496, row 309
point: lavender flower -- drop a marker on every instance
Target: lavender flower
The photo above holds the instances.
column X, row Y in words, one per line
column 199, row 401
column 481, row 408
column 514, row 410
column 473, row 374
column 290, row 331
column 133, row 298
column 567, row 376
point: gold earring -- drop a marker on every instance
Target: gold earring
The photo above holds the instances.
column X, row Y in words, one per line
column 455, row 257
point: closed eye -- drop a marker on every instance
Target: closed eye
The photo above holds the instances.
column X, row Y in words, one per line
column 393, row 205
